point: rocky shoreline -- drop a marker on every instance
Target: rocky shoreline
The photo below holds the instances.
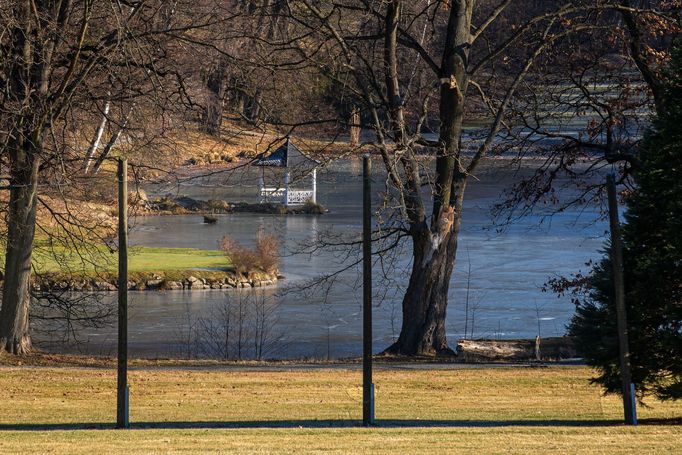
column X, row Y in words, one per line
column 182, row 205
column 190, row 280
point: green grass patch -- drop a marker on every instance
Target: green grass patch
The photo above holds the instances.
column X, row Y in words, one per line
column 141, row 259
column 144, row 259
column 500, row 410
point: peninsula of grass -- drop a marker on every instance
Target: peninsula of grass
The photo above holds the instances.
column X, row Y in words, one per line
column 89, row 268
column 140, row 259
column 492, row 410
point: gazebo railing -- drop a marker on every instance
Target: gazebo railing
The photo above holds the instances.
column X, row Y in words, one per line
column 295, row 197
column 272, row 195
column 299, row 197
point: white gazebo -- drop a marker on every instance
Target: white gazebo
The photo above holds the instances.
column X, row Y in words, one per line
column 297, row 167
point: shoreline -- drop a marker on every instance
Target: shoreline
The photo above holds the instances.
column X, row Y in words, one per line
column 46, row 359
column 184, row 205
column 176, row 280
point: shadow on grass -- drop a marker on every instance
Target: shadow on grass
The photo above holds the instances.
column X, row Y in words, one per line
column 330, row 423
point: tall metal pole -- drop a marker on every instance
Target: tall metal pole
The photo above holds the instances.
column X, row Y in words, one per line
column 122, row 385
column 367, row 385
column 621, row 317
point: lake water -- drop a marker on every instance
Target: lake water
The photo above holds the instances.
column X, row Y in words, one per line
column 504, row 271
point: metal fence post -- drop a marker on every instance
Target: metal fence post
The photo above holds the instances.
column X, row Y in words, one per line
column 122, row 380
column 367, row 385
column 621, row 317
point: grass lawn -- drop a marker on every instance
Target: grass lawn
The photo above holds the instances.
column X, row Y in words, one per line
column 141, row 259
column 501, row 410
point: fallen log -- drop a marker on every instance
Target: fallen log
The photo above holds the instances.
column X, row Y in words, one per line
column 554, row 348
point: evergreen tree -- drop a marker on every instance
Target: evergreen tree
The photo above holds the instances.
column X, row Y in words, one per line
column 652, row 251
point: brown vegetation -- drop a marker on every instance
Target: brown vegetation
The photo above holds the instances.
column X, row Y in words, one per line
column 265, row 255
column 501, row 410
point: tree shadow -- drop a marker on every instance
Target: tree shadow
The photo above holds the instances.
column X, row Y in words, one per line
column 332, row 423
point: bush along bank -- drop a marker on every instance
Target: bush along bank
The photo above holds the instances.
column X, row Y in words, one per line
column 155, row 281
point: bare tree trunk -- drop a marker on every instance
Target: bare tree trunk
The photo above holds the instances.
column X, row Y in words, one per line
column 236, row 98
column 94, row 145
column 255, row 108
column 241, row 103
column 26, row 142
column 112, row 142
column 426, row 298
column 638, row 56
column 14, row 324
column 213, row 116
column 355, row 127
column 435, row 246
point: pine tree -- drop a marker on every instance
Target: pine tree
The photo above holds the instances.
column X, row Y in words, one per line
column 652, row 251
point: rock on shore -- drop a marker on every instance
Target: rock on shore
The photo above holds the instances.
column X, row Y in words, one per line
column 190, row 280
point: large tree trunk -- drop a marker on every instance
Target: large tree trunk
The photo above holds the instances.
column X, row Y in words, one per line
column 14, row 324
column 426, row 298
column 435, row 246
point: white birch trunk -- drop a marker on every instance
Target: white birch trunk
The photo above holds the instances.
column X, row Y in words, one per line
column 94, row 145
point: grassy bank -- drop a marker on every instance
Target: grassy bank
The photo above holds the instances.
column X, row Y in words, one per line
column 91, row 268
column 509, row 410
column 141, row 259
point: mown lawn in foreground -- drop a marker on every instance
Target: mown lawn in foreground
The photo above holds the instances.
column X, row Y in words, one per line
column 510, row 410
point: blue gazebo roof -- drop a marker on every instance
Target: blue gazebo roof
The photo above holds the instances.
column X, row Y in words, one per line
column 287, row 155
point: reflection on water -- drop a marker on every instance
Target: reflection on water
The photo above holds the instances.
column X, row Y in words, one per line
column 505, row 271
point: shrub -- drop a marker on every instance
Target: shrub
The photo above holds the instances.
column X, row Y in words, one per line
column 265, row 256
column 267, row 250
column 313, row 208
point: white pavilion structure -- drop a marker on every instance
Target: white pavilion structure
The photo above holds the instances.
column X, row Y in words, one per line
column 297, row 167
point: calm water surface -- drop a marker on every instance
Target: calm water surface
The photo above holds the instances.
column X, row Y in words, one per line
column 504, row 271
